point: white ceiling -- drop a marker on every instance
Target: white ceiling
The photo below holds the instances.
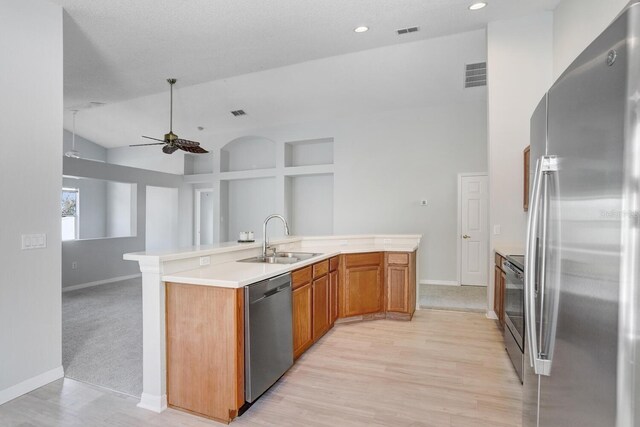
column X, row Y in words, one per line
column 122, row 49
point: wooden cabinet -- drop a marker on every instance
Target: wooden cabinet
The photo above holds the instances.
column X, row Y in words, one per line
column 361, row 285
column 302, row 301
column 321, row 314
column 525, row 190
column 333, row 290
column 500, row 281
column 400, row 279
column 205, row 349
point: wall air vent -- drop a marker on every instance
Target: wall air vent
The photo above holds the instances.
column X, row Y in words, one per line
column 238, row 113
column 475, row 75
column 407, row 30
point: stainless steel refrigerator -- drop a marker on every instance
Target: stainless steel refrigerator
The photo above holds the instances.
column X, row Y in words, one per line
column 582, row 287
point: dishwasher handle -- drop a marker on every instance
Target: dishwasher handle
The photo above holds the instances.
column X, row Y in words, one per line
column 271, row 293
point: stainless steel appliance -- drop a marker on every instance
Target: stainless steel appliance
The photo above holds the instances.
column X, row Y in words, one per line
column 513, row 266
column 268, row 334
column 583, row 240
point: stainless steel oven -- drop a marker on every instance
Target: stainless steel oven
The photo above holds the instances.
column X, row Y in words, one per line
column 514, row 333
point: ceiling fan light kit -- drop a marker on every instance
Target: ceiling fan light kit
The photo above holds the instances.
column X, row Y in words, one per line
column 171, row 142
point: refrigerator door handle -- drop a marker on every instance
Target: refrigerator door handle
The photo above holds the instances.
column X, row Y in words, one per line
column 545, row 165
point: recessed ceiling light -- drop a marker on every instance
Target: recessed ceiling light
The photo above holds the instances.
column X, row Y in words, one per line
column 478, row 6
column 361, row 29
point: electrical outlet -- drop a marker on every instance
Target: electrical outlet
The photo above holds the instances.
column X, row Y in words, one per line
column 74, row 265
column 205, row 260
column 387, row 241
column 497, row 229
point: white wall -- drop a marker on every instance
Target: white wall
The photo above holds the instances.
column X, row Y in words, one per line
column 101, row 259
column 161, row 218
column 576, row 24
column 520, row 72
column 87, row 149
column 121, row 209
column 31, row 106
column 150, row 158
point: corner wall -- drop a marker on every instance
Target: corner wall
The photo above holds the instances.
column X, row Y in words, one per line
column 30, row 181
column 520, row 73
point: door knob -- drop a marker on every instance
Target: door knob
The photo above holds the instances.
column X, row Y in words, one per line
column 466, row 237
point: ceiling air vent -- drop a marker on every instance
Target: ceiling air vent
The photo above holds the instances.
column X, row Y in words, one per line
column 407, row 30
column 475, row 75
column 238, row 113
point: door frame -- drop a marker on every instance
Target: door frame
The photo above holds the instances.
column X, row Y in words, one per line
column 196, row 228
column 459, row 226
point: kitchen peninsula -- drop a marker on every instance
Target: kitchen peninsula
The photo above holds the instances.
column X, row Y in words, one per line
column 348, row 278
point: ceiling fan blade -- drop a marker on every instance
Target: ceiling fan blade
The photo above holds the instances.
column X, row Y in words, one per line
column 168, row 149
column 186, row 142
column 143, row 145
column 155, row 139
column 196, row 149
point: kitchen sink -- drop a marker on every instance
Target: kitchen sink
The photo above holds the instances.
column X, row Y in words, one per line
column 281, row 258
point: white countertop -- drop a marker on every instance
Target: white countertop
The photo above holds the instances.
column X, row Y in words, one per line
column 505, row 249
column 236, row 274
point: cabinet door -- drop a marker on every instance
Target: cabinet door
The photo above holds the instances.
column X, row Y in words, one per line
column 363, row 290
column 320, row 306
column 302, row 320
column 398, row 288
column 333, row 296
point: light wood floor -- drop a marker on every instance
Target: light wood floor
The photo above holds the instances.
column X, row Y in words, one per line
column 444, row 369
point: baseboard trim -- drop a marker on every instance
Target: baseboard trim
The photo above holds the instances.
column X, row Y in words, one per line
column 440, row 282
column 31, row 384
column 99, row 282
column 153, row 402
column 492, row 315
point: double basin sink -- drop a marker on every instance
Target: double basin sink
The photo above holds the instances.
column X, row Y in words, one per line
column 281, row 258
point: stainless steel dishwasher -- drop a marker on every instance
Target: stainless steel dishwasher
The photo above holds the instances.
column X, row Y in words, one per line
column 268, row 334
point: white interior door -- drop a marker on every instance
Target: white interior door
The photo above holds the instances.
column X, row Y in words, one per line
column 474, row 235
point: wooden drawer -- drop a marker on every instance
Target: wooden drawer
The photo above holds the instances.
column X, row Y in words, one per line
column 498, row 260
column 398, row 258
column 357, row 260
column 320, row 269
column 334, row 263
column 300, row 277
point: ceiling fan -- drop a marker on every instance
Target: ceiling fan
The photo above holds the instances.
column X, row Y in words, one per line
column 171, row 141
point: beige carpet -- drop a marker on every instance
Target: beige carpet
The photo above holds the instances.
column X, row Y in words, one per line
column 102, row 335
column 459, row 298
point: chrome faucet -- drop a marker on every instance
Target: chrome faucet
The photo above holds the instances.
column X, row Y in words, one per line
column 265, row 242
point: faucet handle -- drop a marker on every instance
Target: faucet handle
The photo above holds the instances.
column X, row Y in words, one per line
column 272, row 249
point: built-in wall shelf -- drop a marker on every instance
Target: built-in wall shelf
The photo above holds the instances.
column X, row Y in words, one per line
column 308, row 152
column 199, row 178
column 248, row 153
column 248, row 174
column 198, row 164
column 252, row 177
column 308, row 170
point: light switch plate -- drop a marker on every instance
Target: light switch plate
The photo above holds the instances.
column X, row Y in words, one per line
column 34, row 241
column 497, row 229
column 205, row 260
column 424, row 202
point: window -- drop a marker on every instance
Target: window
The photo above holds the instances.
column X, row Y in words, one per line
column 69, row 208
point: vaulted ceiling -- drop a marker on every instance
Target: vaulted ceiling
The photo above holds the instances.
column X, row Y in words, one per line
column 122, row 49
